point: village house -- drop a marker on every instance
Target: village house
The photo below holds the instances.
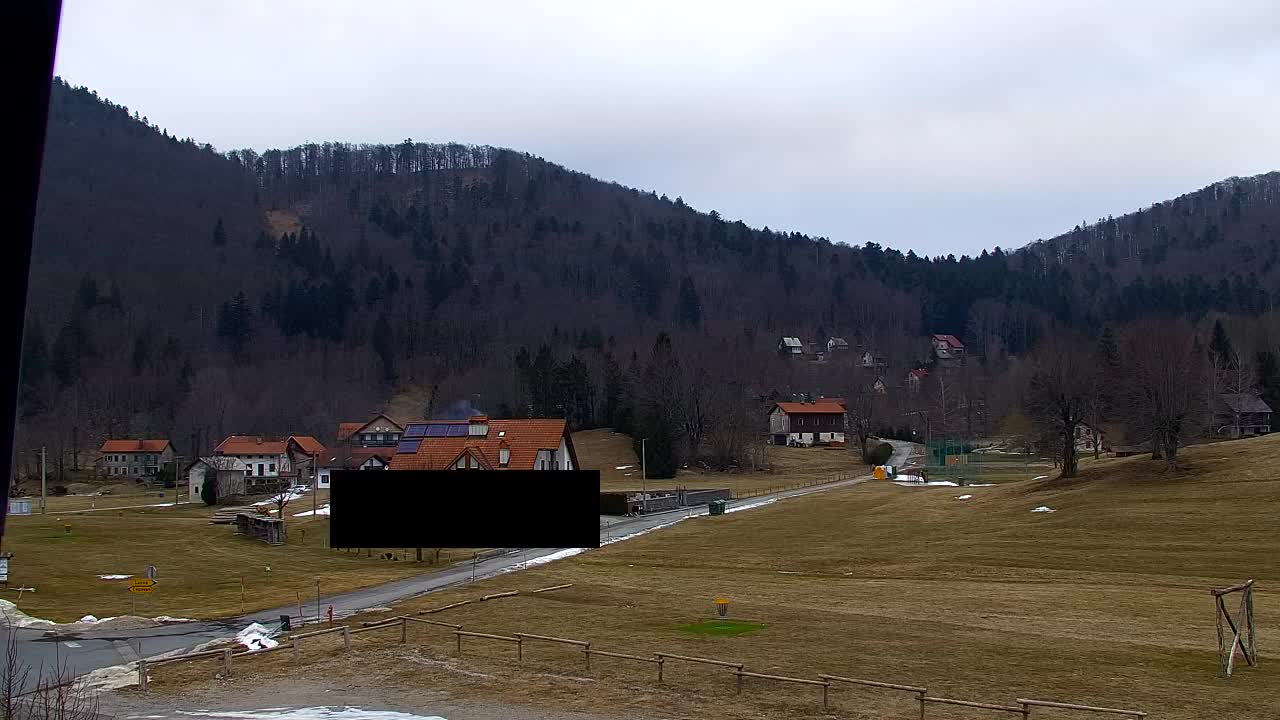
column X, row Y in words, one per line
column 948, row 350
column 134, row 458
column 790, row 346
column 1087, row 435
column 872, row 361
column 915, row 378
column 1241, row 415
column 345, row 457
column 380, row 432
column 835, row 345
column 807, row 423
column 879, row 386
column 226, row 472
column 266, row 458
column 479, row 443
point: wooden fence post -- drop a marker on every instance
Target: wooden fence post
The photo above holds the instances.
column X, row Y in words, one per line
column 346, row 638
column 660, row 660
column 586, row 652
column 920, row 697
column 519, row 649
column 404, row 630
column 226, row 662
column 297, row 650
column 142, row 675
column 459, row 637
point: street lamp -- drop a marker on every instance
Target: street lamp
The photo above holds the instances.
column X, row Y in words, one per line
column 644, row 478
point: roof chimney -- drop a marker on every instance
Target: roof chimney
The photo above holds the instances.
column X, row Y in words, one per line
column 478, row 426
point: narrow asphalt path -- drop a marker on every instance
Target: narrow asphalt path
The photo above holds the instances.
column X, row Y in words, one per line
column 91, row 650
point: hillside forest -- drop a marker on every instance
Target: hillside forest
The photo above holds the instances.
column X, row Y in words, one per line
column 185, row 292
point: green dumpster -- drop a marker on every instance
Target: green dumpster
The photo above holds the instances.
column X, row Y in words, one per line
column 716, row 507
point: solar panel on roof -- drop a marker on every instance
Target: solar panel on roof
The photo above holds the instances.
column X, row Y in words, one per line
column 457, row 430
column 415, row 431
column 408, row 446
column 436, row 430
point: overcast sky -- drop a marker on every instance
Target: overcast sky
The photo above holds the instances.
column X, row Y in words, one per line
column 942, row 126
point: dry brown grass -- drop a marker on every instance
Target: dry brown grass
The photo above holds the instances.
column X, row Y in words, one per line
column 606, row 451
column 1103, row 601
column 200, row 565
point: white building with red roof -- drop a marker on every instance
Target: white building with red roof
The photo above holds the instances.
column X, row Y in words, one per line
column 479, row 443
column 134, row 458
column 807, row 423
column 948, row 349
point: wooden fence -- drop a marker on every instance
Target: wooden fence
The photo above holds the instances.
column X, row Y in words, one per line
column 736, row 669
column 839, row 477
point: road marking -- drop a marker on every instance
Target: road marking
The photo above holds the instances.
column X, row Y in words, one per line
column 71, row 644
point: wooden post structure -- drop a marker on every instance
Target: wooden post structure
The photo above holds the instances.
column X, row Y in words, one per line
column 1243, row 631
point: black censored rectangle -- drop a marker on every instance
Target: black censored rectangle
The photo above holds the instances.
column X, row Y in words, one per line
column 464, row 508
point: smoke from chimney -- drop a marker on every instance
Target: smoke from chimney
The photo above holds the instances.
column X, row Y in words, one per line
column 461, row 410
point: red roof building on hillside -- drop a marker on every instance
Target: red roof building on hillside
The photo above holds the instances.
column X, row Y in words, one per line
column 134, row 446
column 307, row 444
column 137, row 458
column 805, row 423
column 250, row 445
column 948, row 348
column 346, row 430
column 483, row 444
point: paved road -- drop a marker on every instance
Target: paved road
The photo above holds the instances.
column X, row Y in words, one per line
column 104, row 648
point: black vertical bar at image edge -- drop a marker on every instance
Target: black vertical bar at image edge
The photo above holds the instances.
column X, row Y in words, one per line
column 37, row 22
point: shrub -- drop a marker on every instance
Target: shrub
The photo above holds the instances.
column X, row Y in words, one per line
column 879, row 454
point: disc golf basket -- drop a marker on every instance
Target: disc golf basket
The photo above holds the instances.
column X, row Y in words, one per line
column 1243, row 632
column 722, row 607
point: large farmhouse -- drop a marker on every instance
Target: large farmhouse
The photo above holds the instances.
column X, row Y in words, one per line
column 807, row 423
column 483, row 444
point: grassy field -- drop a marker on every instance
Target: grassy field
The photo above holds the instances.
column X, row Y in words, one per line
column 1103, row 601
column 612, row 454
column 200, row 566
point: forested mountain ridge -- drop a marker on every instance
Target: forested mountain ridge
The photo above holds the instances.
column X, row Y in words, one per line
column 179, row 291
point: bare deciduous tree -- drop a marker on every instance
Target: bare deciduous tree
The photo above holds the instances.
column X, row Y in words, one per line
column 1164, row 367
column 1060, row 392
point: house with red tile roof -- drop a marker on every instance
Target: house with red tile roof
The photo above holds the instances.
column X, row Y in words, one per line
column 807, row 423
column 479, row 443
column 948, row 349
column 270, row 458
column 915, row 378
column 380, row 431
column 345, row 457
column 133, row 458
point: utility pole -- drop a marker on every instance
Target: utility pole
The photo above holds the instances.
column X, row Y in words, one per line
column 42, row 480
column 315, row 485
column 644, row 478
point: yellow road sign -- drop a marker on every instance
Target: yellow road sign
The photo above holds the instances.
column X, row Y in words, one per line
column 141, row 584
column 140, row 588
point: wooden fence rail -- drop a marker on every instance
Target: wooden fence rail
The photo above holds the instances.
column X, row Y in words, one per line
column 553, row 587
column 624, row 656
column 1084, row 708
column 1023, row 711
column 704, row 661
column 297, row 646
column 825, row 684
column 659, row 659
column 875, row 683
column 563, row 641
column 437, row 623
column 488, row 636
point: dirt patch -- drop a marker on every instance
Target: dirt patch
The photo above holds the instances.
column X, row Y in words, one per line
column 280, row 222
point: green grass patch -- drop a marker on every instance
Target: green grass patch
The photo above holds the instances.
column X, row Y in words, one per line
column 722, row 627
